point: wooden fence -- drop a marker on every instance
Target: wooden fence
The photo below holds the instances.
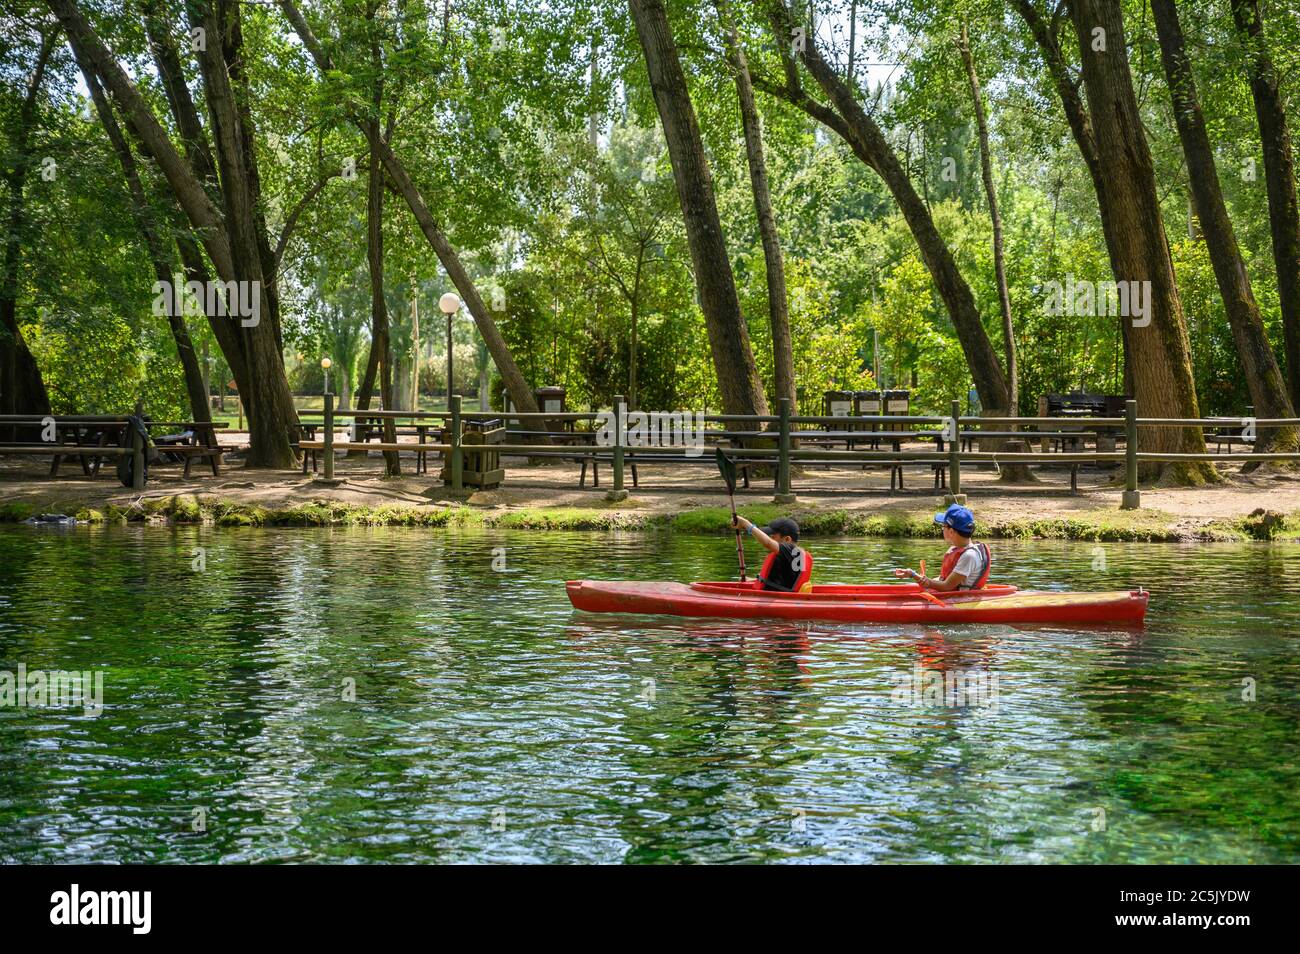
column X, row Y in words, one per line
column 784, row 428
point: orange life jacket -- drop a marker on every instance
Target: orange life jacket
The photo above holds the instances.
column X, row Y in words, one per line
column 804, row 575
column 952, row 556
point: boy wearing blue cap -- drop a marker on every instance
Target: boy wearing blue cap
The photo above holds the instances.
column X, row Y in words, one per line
column 966, row 565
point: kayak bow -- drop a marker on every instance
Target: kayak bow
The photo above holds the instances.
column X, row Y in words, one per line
column 887, row 603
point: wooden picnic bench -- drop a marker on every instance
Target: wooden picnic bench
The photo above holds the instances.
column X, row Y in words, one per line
column 421, row 449
column 197, row 440
column 92, row 439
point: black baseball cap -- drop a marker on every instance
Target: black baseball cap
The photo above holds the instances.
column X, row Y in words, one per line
column 784, row 526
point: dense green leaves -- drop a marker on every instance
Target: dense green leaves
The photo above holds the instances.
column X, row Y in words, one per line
column 493, row 105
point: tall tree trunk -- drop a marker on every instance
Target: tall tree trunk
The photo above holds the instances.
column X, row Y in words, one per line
column 198, row 154
column 778, row 304
column 1008, row 473
column 232, row 54
column 520, row 393
column 345, row 388
column 995, row 215
column 733, row 359
column 229, row 236
column 269, row 401
column 172, row 73
column 195, row 387
column 1076, row 115
column 847, row 117
column 1263, row 377
column 1279, row 178
column 1160, row 352
column 369, row 376
column 375, row 255
column 22, row 390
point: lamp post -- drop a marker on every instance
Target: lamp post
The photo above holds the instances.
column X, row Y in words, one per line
column 327, row 403
column 449, row 304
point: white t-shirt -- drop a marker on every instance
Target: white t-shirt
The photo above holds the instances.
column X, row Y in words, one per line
column 970, row 564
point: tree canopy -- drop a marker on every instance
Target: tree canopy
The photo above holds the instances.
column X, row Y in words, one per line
column 539, row 161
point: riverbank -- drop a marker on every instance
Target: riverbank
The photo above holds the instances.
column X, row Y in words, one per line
column 839, row 502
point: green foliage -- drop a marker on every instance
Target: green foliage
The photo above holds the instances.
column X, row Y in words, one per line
column 490, row 110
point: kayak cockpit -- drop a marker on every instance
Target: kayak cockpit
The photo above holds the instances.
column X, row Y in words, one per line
column 848, row 591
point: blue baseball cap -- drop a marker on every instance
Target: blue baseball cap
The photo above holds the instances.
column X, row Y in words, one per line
column 957, row 517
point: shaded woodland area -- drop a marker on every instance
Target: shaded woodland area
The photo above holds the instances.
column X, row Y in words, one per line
column 706, row 203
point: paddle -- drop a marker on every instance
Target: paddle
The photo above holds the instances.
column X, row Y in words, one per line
column 727, row 468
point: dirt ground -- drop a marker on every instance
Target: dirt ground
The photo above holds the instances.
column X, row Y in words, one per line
column 662, row 489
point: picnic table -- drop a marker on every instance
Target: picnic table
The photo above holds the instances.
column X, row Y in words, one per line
column 367, row 428
column 85, row 434
column 1226, row 430
column 94, row 438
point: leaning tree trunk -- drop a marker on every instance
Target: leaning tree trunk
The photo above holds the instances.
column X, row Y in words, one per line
column 228, row 234
column 199, row 156
column 1160, row 351
column 1279, row 178
column 520, row 393
column 195, row 387
column 733, row 359
column 774, row 263
column 271, row 411
column 1263, row 377
column 22, row 390
column 869, row 143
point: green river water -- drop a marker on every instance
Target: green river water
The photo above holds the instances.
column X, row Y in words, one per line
column 493, row 723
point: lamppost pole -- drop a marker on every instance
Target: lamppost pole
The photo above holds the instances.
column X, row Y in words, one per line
column 449, row 304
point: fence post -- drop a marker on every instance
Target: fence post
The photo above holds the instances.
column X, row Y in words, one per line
column 783, row 494
column 456, row 461
column 954, row 456
column 1131, row 499
column 329, row 436
column 620, row 416
column 137, row 459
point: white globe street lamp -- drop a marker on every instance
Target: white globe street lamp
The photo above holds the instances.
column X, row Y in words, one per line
column 449, row 305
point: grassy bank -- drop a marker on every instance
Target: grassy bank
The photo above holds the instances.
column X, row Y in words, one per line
column 1102, row 524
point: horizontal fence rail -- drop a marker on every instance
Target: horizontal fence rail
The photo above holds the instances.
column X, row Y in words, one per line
column 778, row 440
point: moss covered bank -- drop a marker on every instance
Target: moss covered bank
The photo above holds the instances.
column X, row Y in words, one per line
column 1101, row 524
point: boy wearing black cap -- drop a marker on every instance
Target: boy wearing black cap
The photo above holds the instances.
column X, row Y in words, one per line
column 788, row 567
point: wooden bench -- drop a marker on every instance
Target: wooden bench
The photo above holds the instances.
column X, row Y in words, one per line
column 196, row 441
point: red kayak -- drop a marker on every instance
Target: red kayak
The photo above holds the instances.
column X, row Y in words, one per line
column 886, row 603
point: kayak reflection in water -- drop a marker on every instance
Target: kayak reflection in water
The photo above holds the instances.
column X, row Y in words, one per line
column 966, row 565
column 788, row 567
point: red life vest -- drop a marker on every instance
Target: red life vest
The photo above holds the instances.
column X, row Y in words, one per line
column 804, row 575
column 952, row 556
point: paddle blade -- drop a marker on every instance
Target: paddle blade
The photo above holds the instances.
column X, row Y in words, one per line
column 727, row 468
